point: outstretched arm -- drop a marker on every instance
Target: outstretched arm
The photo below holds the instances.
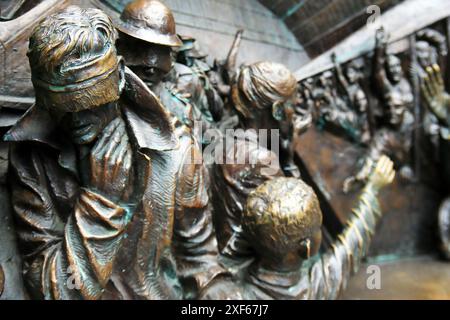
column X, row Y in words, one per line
column 330, row 274
column 380, row 60
column 340, row 75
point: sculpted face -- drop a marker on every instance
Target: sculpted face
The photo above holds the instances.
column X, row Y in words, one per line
column 327, row 79
column 351, row 74
column 394, row 69
column 423, row 51
column 285, row 115
column 396, row 113
column 85, row 126
column 151, row 62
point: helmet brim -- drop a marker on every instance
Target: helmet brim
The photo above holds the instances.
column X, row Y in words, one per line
column 148, row 35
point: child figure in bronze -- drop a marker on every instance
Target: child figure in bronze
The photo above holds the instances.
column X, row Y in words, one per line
column 282, row 221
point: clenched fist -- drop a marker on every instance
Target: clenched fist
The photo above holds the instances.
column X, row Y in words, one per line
column 383, row 173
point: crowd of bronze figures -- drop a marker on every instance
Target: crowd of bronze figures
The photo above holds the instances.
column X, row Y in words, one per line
column 392, row 104
column 108, row 203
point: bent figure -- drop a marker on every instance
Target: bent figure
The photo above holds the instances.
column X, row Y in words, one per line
column 108, row 201
column 263, row 98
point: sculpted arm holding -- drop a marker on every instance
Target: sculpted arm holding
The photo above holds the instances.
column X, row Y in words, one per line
column 195, row 242
column 71, row 215
column 69, row 259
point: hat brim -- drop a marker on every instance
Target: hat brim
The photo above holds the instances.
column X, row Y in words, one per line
column 149, row 35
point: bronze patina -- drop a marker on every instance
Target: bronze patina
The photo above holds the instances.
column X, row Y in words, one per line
column 438, row 101
column 105, row 190
column 108, row 200
column 282, row 220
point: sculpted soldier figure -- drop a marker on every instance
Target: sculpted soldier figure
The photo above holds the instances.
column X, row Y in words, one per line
column 438, row 101
column 107, row 200
column 282, row 219
column 147, row 37
column 395, row 136
column 191, row 75
column 263, row 98
column 147, row 41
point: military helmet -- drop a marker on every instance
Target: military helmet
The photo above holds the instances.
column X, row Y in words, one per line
column 150, row 21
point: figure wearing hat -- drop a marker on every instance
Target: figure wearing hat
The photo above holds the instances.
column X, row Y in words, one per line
column 148, row 42
column 107, row 199
column 191, row 55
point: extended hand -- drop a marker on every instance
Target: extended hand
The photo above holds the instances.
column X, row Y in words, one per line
column 383, row 173
column 111, row 161
column 434, row 94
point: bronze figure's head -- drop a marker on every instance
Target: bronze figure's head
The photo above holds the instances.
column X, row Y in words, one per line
column 283, row 220
column 394, row 68
column 75, row 69
column 265, row 93
column 147, row 37
column 426, row 53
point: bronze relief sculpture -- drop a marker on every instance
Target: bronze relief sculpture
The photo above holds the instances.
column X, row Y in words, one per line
column 356, row 96
column 112, row 198
column 109, row 199
column 282, row 219
column 103, row 189
column 438, row 102
column 149, row 44
column 394, row 137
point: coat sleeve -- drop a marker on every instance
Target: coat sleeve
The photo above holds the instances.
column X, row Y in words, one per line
column 195, row 243
column 69, row 250
column 328, row 276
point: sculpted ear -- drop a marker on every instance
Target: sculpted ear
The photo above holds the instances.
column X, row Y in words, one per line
column 278, row 111
column 121, row 67
column 305, row 248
